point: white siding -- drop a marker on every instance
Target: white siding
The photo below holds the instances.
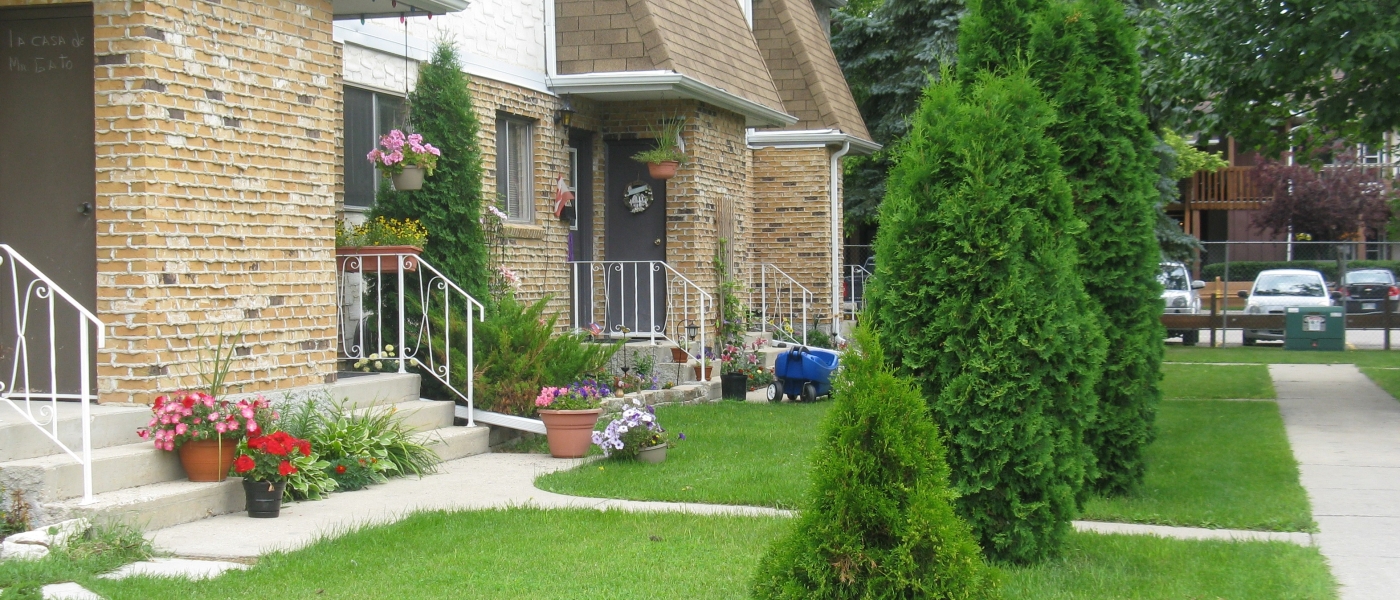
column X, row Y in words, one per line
column 379, row 70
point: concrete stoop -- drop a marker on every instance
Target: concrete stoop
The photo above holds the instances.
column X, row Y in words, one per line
column 137, row 484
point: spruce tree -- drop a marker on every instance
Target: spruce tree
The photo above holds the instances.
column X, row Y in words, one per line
column 978, row 298
column 1084, row 58
column 449, row 204
column 880, row 522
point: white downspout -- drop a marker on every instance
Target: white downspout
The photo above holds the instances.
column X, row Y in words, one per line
column 551, row 42
column 836, row 238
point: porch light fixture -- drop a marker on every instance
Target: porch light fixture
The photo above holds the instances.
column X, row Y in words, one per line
column 691, row 330
column 564, row 115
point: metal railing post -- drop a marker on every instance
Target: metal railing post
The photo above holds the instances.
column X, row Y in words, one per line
column 651, row 290
column 399, row 351
column 85, row 410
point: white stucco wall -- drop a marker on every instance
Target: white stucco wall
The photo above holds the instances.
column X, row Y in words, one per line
column 375, row 69
column 509, row 31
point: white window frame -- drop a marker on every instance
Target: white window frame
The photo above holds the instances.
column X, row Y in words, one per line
column 515, row 177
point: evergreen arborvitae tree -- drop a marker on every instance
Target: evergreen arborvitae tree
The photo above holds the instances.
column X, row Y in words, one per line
column 978, row 298
column 449, row 204
column 1084, row 57
column 881, row 522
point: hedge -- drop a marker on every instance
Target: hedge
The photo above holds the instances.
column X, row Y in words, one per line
column 1248, row 270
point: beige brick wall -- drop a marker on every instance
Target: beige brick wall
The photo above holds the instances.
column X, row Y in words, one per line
column 792, row 218
column 215, row 166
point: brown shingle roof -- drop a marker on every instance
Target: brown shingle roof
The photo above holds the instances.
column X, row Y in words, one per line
column 705, row 39
column 800, row 60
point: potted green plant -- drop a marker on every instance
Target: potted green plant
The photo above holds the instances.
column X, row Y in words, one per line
column 404, row 159
column 569, row 414
column 265, row 463
column 734, row 366
column 636, row 433
column 204, row 431
column 669, row 153
column 379, row 245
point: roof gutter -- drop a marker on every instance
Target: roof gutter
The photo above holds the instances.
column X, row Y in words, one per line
column 810, row 138
column 836, row 239
column 667, row 84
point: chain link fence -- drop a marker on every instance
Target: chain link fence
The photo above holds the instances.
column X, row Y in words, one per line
column 1359, row 277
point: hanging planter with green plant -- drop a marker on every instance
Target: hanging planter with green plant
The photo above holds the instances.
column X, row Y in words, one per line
column 669, row 153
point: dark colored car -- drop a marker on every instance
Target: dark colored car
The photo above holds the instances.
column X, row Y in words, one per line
column 1366, row 290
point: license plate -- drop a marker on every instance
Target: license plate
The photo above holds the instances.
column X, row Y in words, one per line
column 1368, row 306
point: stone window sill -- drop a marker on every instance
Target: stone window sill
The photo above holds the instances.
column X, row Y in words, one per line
column 522, row 230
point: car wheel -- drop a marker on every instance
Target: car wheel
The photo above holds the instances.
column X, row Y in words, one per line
column 1190, row 338
column 1249, row 341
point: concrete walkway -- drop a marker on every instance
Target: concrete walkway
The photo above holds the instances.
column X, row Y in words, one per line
column 1345, row 434
column 476, row 482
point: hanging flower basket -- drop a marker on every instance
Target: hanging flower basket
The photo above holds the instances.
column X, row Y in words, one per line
column 377, row 259
column 678, row 355
column 663, row 170
column 409, row 180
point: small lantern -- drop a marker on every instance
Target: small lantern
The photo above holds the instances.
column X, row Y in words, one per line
column 691, row 330
column 564, row 115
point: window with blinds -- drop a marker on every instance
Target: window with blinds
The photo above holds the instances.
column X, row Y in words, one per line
column 514, row 169
column 368, row 115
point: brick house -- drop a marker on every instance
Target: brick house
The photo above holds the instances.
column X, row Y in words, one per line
column 225, row 138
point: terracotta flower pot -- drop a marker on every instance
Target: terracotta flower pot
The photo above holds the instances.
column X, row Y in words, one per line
column 654, row 454
column 663, row 170
column 709, row 372
column 376, row 259
column 207, row 460
column 264, row 499
column 679, row 355
column 409, row 180
column 569, row 432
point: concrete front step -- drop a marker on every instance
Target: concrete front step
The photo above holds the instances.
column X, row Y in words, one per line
column 58, row 476
column 419, row 415
column 170, row 503
column 111, row 426
column 377, row 389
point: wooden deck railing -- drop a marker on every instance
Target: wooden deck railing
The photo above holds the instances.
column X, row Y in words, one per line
column 1231, row 188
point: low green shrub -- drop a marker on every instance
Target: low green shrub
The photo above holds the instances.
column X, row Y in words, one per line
column 1247, row 270
column 819, row 339
column 371, row 445
column 880, row 522
column 517, row 353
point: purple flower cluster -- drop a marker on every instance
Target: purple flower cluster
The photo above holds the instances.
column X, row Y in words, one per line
column 635, row 429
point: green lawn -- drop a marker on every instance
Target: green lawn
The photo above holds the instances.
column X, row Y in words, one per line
column 1216, row 464
column 1216, row 382
column 1388, row 379
column 734, row 453
column 530, row 553
column 1277, row 355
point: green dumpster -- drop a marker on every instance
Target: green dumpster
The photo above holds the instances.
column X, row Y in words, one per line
column 1315, row 328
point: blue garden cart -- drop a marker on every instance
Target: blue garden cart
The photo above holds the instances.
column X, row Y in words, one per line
column 803, row 373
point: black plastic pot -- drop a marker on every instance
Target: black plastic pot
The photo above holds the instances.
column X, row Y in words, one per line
column 264, row 499
column 734, row 385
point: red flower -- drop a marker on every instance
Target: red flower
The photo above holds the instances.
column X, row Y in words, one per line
column 160, row 401
column 286, row 469
column 188, row 402
column 243, row 463
column 305, row 447
column 340, row 469
column 275, row 447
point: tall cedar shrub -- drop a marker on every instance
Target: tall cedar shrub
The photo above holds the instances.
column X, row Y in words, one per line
column 978, row 298
column 449, row 204
column 1084, row 57
column 880, row 522
column 517, row 353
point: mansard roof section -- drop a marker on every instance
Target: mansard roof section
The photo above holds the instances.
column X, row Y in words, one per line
column 707, row 40
column 798, row 54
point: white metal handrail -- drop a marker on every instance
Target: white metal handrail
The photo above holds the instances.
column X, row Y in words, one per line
column 779, row 299
column 621, row 298
column 421, row 340
column 35, row 309
column 855, row 276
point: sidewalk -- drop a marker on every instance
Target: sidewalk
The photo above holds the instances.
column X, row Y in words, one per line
column 1345, row 434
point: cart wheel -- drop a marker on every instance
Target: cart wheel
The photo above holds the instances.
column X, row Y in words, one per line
column 773, row 394
column 792, row 398
column 809, row 392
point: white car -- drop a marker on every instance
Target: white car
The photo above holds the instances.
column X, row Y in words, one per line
column 1179, row 297
column 1278, row 289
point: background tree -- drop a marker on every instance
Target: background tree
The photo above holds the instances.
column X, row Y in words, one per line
column 888, row 50
column 880, row 523
column 1254, row 68
column 978, row 299
column 449, row 204
column 1330, row 203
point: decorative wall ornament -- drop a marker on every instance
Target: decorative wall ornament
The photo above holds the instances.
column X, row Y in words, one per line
column 638, row 196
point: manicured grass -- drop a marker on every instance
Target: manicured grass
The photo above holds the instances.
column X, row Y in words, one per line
column 1210, row 382
column 1277, row 355
column 734, row 453
column 1216, row 464
column 1145, row 567
column 1388, row 379
column 530, row 553
column 102, row 549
